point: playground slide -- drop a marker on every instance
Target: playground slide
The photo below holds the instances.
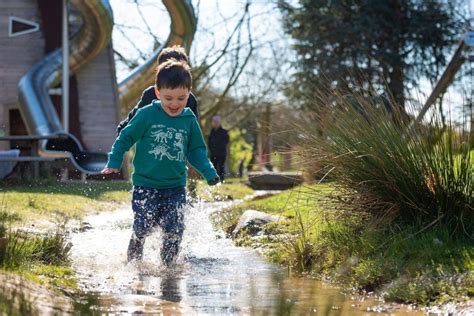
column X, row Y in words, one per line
column 183, row 27
column 36, row 106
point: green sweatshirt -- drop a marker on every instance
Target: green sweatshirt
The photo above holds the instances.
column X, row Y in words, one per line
column 163, row 145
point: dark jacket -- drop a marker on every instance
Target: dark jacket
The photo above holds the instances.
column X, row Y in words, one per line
column 218, row 140
column 147, row 97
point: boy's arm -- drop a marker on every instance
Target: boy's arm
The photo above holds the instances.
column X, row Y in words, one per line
column 197, row 154
column 127, row 137
column 147, row 97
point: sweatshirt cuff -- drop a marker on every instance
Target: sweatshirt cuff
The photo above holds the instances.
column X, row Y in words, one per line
column 210, row 174
column 116, row 164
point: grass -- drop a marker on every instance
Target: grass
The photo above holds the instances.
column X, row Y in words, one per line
column 396, row 170
column 288, row 203
column 53, row 276
column 232, row 189
column 41, row 258
column 24, row 249
column 73, row 200
column 44, row 257
column 398, row 261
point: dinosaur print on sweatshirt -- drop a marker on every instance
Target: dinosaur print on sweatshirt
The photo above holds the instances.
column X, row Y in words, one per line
column 161, row 148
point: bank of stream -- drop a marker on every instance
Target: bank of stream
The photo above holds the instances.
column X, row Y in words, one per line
column 212, row 275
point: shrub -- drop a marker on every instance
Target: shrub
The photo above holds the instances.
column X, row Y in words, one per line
column 418, row 173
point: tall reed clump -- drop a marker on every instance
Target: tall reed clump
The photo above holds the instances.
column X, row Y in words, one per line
column 24, row 249
column 384, row 164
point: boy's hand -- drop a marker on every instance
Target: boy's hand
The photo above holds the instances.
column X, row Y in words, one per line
column 109, row 170
column 214, row 181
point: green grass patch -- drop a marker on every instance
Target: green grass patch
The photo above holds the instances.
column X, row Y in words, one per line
column 24, row 249
column 232, row 189
column 41, row 257
column 403, row 263
column 44, row 258
column 288, row 203
column 53, row 276
column 37, row 201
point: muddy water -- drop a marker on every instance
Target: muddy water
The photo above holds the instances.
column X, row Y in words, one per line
column 211, row 277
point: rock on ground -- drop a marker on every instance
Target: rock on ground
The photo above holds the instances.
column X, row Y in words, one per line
column 252, row 221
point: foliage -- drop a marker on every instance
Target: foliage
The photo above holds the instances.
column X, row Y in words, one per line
column 364, row 43
column 38, row 200
column 240, row 151
column 232, row 189
column 399, row 262
column 419, row 174
column 23, row 249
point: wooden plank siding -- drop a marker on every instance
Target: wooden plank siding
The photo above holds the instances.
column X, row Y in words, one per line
column 98, row 94
column 17, row 55
column 98, row 101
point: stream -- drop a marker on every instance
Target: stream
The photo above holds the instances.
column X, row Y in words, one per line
column 211, row 277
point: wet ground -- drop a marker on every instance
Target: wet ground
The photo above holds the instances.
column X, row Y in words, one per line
column 211, row 277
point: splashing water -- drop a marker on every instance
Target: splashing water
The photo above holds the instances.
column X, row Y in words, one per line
column 211, row 275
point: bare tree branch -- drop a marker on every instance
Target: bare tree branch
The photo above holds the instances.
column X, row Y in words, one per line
column 236, row 71
column 224, row 51
column 140, row 52
column 131, row 64
column 157, row 41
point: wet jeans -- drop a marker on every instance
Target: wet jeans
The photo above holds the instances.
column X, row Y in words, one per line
column 154, row 208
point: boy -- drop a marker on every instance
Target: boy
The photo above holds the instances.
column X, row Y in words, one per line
column 148, row 95
column 166, row 135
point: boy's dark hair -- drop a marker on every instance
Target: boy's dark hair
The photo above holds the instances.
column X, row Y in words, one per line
column 173, row 74
column 176, row 52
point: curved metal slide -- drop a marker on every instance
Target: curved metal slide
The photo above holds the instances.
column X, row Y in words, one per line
column 36, row 107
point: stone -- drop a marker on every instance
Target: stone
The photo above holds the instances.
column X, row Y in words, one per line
column 253, row 221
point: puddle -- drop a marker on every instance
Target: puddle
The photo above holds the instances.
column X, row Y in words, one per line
column 211, row 277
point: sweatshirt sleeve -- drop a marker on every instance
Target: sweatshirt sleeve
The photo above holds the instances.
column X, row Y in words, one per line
column 125, row 140
column 197, row 153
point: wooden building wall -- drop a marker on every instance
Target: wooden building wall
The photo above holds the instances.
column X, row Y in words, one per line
column 17, row 55
column 96, row 81
column 98, row 102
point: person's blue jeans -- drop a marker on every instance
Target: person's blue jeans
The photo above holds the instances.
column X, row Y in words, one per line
column 154, row 208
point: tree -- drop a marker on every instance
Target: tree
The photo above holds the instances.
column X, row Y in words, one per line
column 232, row 54
column 368, row 44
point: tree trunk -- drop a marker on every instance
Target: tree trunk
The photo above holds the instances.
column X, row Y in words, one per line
column 396, row 85
column 264, row 139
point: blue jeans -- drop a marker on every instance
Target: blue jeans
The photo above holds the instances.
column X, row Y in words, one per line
column 153, row 208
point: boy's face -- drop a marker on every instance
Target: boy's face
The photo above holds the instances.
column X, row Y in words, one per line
column 173, row 101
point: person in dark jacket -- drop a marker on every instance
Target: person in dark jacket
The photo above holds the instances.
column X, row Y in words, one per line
column 148, row 95
column 218, row 141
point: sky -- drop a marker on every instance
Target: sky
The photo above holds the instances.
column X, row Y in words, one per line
column 216, row 20
column 210, row 13
column 266, row 27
